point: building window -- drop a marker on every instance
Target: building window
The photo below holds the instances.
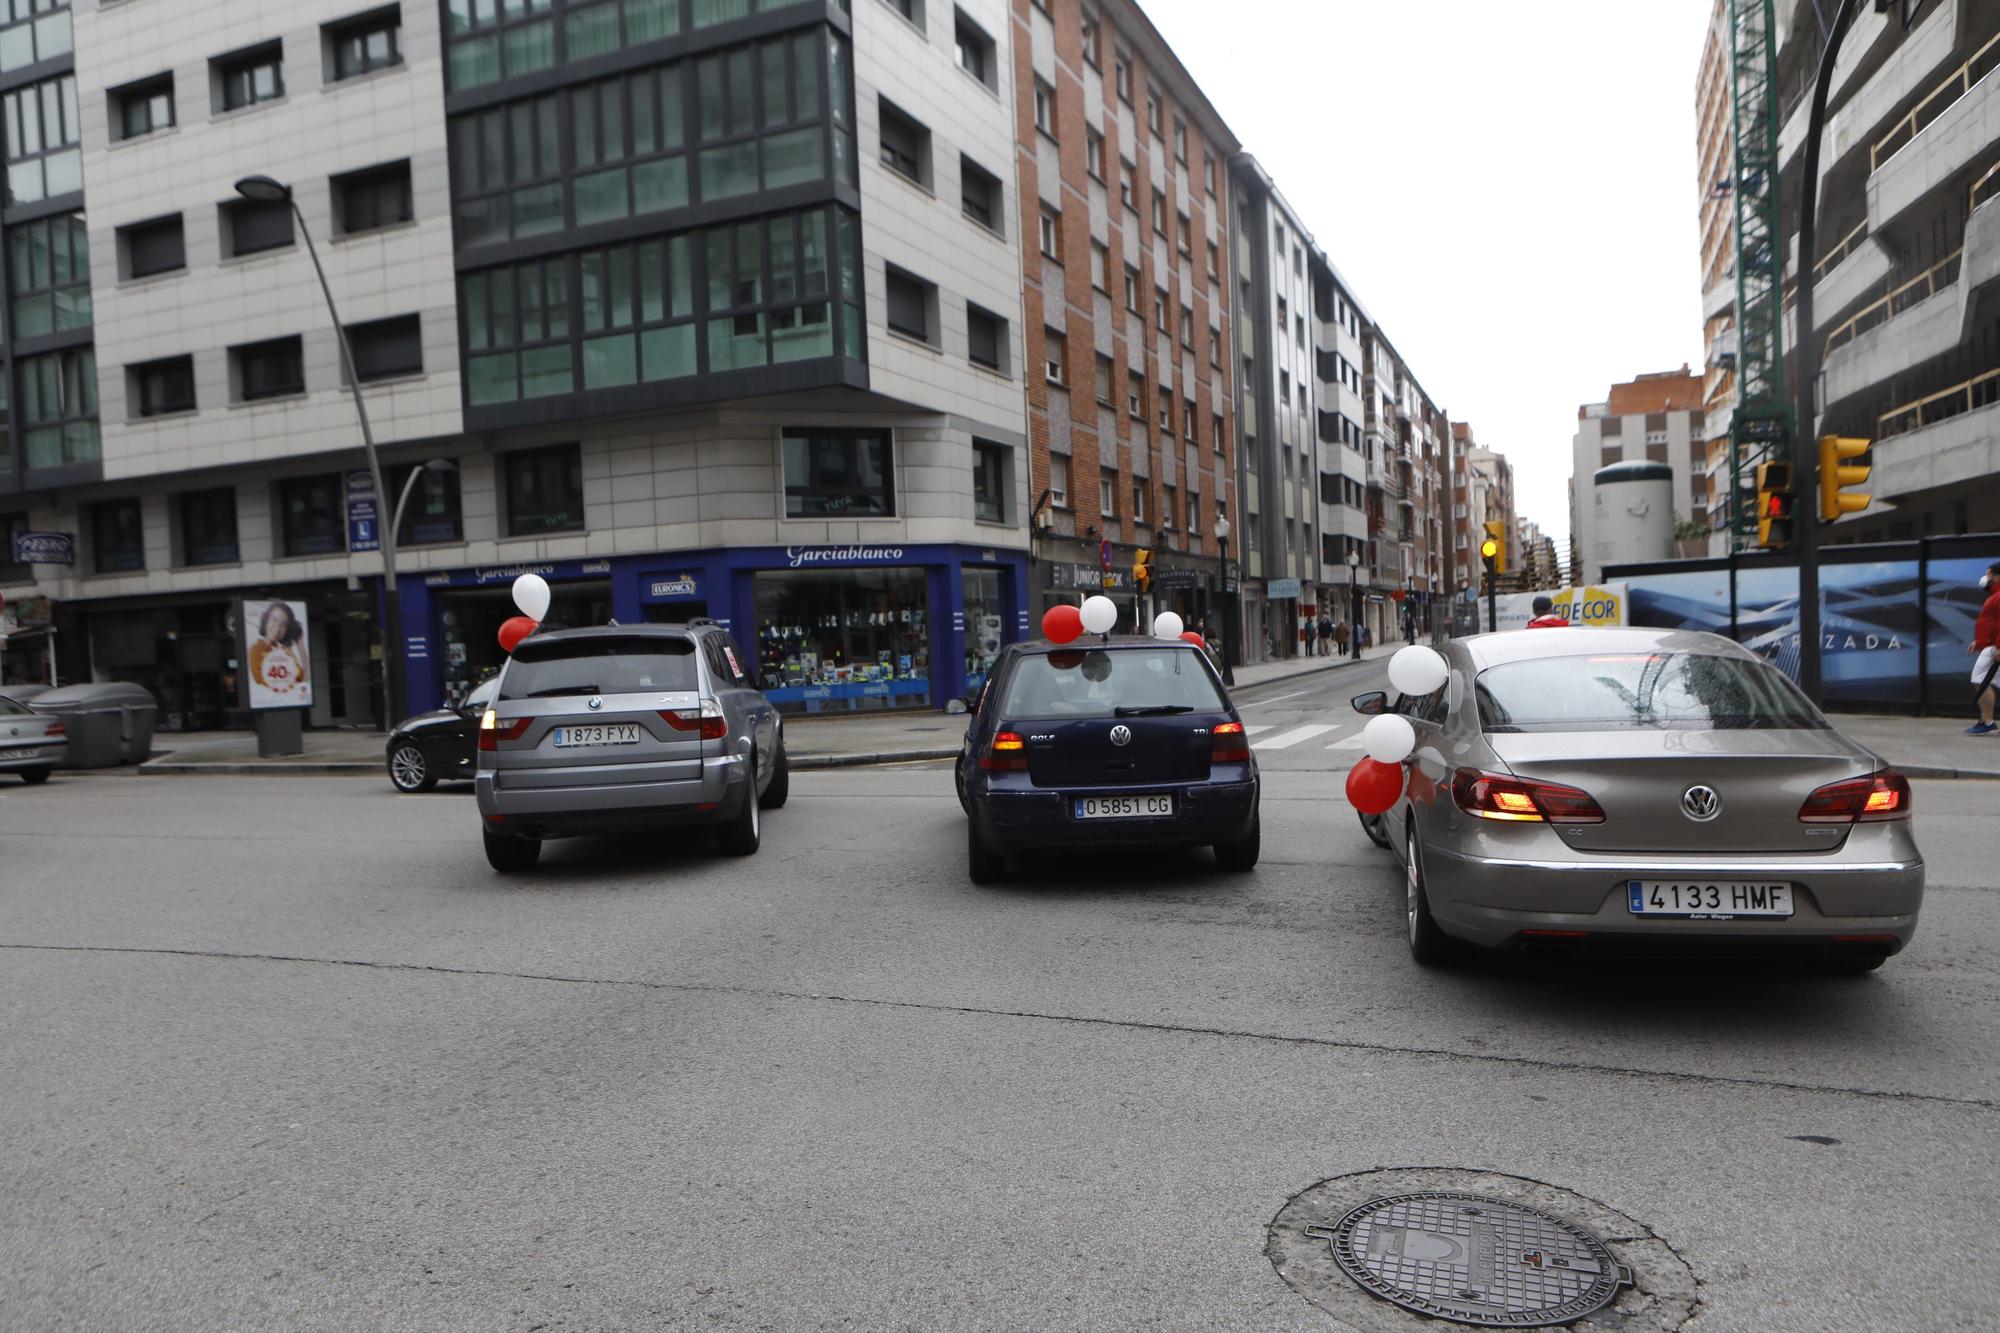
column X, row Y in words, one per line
column 43, row 160
column 913, row 10
column 1162, row 312
column 1091, row 36
column 312, row 515
column 363, row 45
column 1100, row 267
column 906, row 145
column 490, row 41
column 1188, row 420
column 507, row 170
column 143, row 108
column 433, row 514
column 1185, row 234
column 1214, row 261
column 911, row 301
column 1104, row 379
column 1051, row 234
column 975, row 51
column 517, row 325
column 386, row 349
column 980, row 195
column 839, row 474
column 1053, row 347
column 1122, row 77
column 247, row 78
column 544, row 490
column 593, row 29
column 1138, row 502
column 160, row 388
column 1107, row 493
column 1153, row 111
column 1135, row 394
column 117, row 536
column 1215, row 432
column 989, row 481
column 1059, row 481
column 273, row 369
column 208, row 527
column 1132, row 290
column 59, row 408
column 1166, row 412
column 1159, row 213
column 1169, row 501
column 1093, row 153
column 1187, row 326
column 32, row 31
column 251, row 226
column 371, row 199
column 1128, row 191
column 986, row 338
column 757, row 116
column 48, row 271
column 1180, row 141
column 1045, row 108
column 1207, row 172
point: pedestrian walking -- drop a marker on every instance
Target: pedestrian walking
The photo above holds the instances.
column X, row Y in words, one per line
column 1545, row 614
column 1312, row 634
column 1340, row 633
column 1325, row 635
column 1985, row 651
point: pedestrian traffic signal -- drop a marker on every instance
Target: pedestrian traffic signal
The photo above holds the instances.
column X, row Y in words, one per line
column 1142, row 571
column 1496, row 540
column 1834, row 477
column 1774, row 505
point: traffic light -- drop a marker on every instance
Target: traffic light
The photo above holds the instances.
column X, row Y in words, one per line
column 1142, row 573
column 1774, row 505
column 1496, row 537
column 1834, row 476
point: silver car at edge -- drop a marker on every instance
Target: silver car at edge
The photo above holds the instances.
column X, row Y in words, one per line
column 1613, row 790
column 31, row 744
column 624, row 728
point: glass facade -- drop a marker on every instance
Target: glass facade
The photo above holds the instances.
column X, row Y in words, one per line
column 843, row 640
column 48, row 274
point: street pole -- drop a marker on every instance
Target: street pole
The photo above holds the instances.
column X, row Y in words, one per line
column 1805, row 444
column 1228, row 600
column 1354, row 606
column 267, row 190
column 1492, row 602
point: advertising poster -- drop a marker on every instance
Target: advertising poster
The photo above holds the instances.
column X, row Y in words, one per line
column 1597, row 606
column 279, row 652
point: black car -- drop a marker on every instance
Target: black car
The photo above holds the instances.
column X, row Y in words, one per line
column 437, row 746
column 1127, row 742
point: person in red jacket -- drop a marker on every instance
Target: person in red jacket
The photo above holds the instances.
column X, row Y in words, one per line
column 1986, row 652
column 1545, row 614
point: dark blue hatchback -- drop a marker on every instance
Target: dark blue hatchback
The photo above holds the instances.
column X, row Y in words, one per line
column 1119, row 742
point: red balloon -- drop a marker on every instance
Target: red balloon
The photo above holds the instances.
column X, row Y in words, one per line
column 1194, row 638
column 1061, row 623
column 514, row 629
column 1372, row 787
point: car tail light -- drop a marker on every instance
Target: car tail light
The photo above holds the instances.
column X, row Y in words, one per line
column 1232, row 744
column 1522, row 800
column 56, row 729
column 1866, row 800
column 492, row 730
column 1007, row 752
column 708, row 720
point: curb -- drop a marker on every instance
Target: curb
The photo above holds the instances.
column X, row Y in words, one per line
column 1935, row 771
column 804, row 762
column 326, row 768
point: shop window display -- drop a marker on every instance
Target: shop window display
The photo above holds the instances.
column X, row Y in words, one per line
column 469, row 622
column 844, row 640
column 985, row 624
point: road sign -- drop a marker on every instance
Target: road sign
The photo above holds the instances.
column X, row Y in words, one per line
column 1104, row 555
column 364, row 531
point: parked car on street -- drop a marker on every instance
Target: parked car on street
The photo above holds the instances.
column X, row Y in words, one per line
column 31, row 744
column 438, row 746
column 1128, row 742
column 1612, row 790
column 627, row 727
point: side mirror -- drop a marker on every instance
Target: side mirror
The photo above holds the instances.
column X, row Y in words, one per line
column 1369, row 705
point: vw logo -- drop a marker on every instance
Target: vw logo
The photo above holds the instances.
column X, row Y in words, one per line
column 596, row 702
column 1121, row 735
column 1701, row 804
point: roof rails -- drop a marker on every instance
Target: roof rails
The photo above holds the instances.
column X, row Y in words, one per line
column 692, row 621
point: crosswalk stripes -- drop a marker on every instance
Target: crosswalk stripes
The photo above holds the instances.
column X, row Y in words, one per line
column 1286, row 739
column 1353, row 742
column 1256, row 728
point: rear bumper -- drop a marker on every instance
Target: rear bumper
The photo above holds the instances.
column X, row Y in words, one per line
column 1839, row 907
column 562, row 812
column 40, row 753
column 1036, row 820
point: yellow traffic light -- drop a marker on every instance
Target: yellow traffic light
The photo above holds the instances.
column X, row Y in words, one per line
column 1494, row 548
column 1142, row 573
column 1489, row 549
column 1774, row 505
column 1835, row 476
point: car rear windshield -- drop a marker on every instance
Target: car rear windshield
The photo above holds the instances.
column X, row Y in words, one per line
column 600, row 666
column 8, row 708
column 1114, row 682
column 1689, row 691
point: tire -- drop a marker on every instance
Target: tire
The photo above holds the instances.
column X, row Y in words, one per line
column 1240, row 855
column 1372, row 825
column 983, row 865
column 409, row 771
column 745, row 829
column 1429, row 946
column 507, row 853
column 35, row 777
column 780, row 790
column 958, row 781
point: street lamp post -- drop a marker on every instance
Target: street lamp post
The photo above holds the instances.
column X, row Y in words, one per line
column 1354, row 603
column 265, row 190
column 1228, row 602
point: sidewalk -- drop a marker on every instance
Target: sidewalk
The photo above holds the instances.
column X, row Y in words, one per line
column 1925, row 747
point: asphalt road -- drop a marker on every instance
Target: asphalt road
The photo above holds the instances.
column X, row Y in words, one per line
column 283, row 1052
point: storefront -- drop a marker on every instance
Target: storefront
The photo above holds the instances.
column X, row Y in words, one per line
column 27, row 642
column 847, row 628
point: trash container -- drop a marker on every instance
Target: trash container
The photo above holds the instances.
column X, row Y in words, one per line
column 109, row 723
column 22, row 694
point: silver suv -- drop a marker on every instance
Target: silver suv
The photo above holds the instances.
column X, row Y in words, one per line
column 627, row 727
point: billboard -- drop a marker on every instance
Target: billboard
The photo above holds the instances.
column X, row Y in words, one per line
column 279, row 654
column 1597, row 606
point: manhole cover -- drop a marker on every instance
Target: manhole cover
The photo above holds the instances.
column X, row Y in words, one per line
column 1475, row 1259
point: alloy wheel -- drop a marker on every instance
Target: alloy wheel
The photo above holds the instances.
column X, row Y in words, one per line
column 406, row 767
column 1412, row 882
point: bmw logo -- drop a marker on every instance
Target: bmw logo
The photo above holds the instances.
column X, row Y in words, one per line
column 596, row 702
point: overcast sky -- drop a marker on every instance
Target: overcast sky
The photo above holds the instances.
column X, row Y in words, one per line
column 1509, row 189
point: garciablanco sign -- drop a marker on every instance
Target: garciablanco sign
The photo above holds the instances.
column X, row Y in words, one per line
column 800, row 556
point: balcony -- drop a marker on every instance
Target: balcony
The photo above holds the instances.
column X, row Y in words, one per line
column 1945, row 439
column 1955, row 126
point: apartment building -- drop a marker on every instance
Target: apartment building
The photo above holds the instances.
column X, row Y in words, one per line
column 1908, row 254
column 1715, row 159
column 1539, row 569
column 1123, row 169
column 694, row 307
column 1491, row 501
column 1405, row 446
column 1338, row 324
column 1656, row 418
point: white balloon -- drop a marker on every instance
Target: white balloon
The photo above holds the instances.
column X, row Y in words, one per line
column 1167, row 625
column 1099, row 613
column 1417, row 670
column 1389, row 738
column 531, row 594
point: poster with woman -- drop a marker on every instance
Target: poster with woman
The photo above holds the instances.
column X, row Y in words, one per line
column 278, row 655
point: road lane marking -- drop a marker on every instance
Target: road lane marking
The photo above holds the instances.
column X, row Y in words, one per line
column 1292, row 737
column 1295, row 694
column 1353, row 742
column 1252, row 728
